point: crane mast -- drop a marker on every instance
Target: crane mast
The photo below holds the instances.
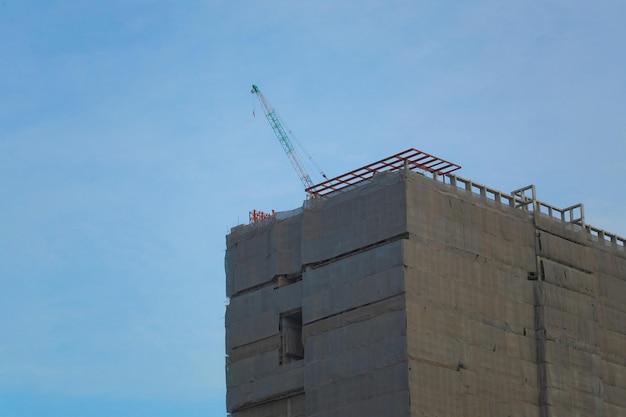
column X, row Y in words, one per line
column 283, row 138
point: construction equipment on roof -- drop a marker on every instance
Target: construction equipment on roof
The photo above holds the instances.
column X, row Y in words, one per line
column 412, row 159
column 284, row 140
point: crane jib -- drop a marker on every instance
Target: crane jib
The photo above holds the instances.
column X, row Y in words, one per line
column 280, row 132
column 284, row 140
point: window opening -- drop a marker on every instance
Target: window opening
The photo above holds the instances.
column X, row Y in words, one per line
column 291, row 346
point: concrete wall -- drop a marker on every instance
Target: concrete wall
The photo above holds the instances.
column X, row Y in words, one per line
column 470, row 306
column 254, row 373
column 582, row 316
column 256, row 255
column 418, row 298
column 490, row 341
column 340, row 262
column 355, row 335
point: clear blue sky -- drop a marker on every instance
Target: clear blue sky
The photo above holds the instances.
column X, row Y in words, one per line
column 128, row 150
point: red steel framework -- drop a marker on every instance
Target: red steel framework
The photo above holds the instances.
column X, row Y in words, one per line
column 414, row 159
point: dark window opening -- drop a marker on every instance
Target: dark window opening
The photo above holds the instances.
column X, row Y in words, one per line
column 291, row 346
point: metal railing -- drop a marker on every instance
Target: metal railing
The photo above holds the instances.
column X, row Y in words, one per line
column 526, row 199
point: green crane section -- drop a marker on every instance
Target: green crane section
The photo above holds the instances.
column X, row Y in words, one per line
column 283, row 138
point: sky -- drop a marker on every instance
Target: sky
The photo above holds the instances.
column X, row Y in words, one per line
column 130, row 145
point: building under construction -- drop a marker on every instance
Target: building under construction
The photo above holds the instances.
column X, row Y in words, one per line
column 401, row 289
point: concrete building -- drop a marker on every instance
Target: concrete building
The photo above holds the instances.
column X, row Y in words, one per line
column 411, row 294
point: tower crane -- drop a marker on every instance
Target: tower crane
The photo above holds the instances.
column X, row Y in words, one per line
column 284, row 140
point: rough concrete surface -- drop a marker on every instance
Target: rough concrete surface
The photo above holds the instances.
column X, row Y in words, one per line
column 410, row 296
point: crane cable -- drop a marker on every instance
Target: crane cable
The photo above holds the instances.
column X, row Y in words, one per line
column 291, row 135
column 302, row 148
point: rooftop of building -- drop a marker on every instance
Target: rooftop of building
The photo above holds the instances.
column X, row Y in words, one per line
column 442, row 171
